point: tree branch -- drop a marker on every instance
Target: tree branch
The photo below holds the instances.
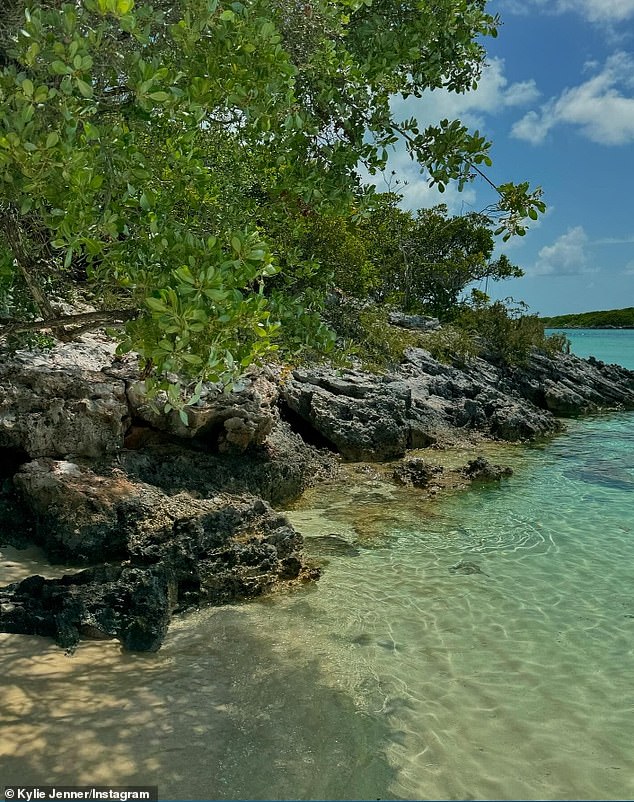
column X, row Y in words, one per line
column 88, row 320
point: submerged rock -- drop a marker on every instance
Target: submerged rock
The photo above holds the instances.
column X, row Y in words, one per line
column 481, row 470
column 416, row 472
column 466, row 567
column 331, row 545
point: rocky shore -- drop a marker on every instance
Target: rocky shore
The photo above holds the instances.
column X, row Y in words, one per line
column 159, row 517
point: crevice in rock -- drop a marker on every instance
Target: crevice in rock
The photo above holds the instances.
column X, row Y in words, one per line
column 10, row 461
column 308, row 433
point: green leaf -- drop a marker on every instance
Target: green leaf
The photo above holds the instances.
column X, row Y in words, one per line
column 184, row 274
column 27, row 87
column 59, row 68
column 52, row 139
column 159, row 96
column 84, row 88
column 144, row 202
column 156, row 304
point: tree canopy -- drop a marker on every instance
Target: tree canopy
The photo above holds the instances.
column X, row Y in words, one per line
column 175, row 154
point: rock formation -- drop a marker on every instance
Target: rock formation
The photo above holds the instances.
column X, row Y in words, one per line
column 163, row 516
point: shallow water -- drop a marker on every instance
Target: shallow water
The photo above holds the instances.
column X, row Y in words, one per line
column 476, row 647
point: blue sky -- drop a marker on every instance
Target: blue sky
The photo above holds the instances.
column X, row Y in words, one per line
column 557, row 100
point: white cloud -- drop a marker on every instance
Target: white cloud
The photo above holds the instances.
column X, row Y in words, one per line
column 414, row 186
column 568, row 255
column 493, row 94
column 629, row 268
column 600, row 11
column 602, row 107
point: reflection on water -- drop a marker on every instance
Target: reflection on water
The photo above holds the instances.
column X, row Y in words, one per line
column 476, row 648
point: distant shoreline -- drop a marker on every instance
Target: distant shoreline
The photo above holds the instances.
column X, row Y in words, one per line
column 600, row 319
column 604, row 328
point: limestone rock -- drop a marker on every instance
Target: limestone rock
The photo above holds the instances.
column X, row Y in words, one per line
column 59, row 412
column 227, row 421
column 416, row 322
column 363, row 416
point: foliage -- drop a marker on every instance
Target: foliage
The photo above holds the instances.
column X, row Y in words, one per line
column 505, row 332
column 451, row 345
column 611, row 318
column 423, row 263
column 191, row 159
column 365, row 334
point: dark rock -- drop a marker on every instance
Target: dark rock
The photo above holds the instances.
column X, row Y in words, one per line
column 481, row 470
column 179, row 552
column 131, row 604
column 279, row 471
column 466, row 567
column 416, row 472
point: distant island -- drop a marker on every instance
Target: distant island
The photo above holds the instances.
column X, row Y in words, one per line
column 609, row 319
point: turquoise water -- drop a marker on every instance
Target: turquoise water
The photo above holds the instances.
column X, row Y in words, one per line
column 476, row 647
column 609, row 345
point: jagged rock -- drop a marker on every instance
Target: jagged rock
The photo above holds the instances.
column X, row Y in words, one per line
column 131, row 604
column 179, row 551
column 567, row 385
column 416, row 472
column 279, row 471
column 369, row 417
column 419, row 322
column 475, row 396
column 61, row 411
column 228, row 421
column 81, row 516
column 363, row 416
column 159, row 508
column 481, row 470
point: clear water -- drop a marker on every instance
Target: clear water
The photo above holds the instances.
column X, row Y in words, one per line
column 614, row 346
column 477, row 647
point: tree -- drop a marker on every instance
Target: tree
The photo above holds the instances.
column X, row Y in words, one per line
column 161, row 150
column 444, row 256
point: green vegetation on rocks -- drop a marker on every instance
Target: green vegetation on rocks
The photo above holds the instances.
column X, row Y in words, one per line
column 608, row 319
column 191, row 169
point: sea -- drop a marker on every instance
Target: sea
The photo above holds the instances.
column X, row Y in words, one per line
column 475, row 646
